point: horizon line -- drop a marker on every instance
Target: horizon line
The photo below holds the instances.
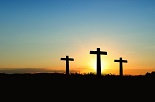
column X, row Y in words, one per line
column 48, row 70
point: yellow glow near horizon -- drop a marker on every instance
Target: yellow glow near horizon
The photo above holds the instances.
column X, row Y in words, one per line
column 93, row 65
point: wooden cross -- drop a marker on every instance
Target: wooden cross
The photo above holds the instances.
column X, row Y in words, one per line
column 98, row 52
column 121, row 65
column 67, row 63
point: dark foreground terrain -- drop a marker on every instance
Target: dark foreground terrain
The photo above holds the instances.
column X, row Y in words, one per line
column 77, row 86
column 59, row 79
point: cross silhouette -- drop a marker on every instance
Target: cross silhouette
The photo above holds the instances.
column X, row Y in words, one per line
column 98, row 52
column 121, row 65
column 67, row 63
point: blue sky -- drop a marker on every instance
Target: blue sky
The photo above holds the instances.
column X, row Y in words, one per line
column 37, row 33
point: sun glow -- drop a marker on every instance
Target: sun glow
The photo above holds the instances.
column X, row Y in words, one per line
column 104, row 65
column 93, row 65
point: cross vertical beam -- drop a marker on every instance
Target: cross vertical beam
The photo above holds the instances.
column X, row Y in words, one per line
column 121, row 65
column 98, row 52
column 67, row 63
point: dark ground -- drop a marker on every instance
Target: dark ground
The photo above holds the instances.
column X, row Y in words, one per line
column 77, row 86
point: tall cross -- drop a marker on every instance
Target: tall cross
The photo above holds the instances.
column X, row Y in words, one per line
column 121, row 65
column 98, row 52
column 67, row 63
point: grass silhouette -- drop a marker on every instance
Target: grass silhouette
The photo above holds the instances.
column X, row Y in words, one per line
column 76, row 86
column 75, row 77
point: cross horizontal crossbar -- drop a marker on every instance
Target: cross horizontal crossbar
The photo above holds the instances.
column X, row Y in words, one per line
column 70, row 59
column 125, row 61
column 96, row 52
column 67, row 59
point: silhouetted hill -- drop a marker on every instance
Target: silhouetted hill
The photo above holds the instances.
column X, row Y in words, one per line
column 76, row 86
column 76, row 78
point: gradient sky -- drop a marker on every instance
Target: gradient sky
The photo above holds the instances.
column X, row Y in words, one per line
column 37, row 33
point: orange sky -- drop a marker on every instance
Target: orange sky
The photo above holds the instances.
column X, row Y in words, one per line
column 36, row 34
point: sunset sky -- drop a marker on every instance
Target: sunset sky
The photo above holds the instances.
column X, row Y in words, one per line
column 35, row 34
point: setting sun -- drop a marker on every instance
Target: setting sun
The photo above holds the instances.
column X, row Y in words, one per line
column 93, row 65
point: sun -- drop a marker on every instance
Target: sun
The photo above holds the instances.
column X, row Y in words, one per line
column 93, row 65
